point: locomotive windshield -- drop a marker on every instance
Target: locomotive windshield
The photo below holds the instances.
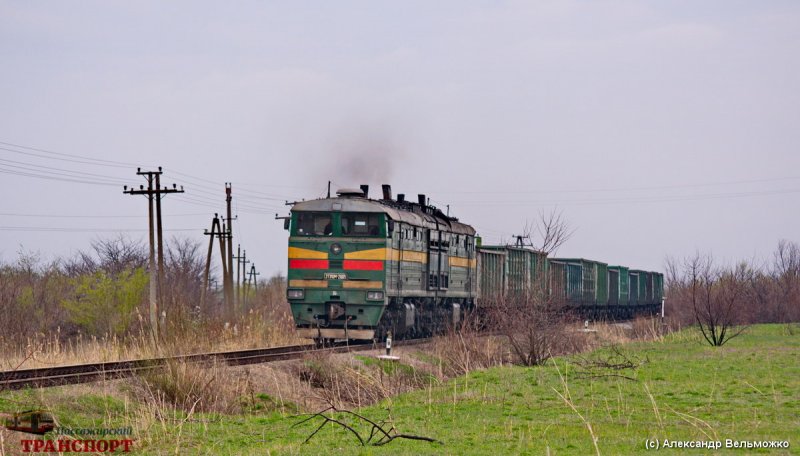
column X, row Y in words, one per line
column 355, row 224
column 350, row 224
column 313, row 224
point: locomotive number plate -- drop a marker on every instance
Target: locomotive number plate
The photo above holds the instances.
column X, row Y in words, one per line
column 335, row 276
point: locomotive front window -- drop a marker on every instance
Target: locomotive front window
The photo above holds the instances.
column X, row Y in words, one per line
column 354, row 224
column 313, row 224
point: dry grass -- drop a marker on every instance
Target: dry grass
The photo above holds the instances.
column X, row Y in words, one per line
column 458, row 353
column 44, row 350
column 641, row 328
column 193, row 387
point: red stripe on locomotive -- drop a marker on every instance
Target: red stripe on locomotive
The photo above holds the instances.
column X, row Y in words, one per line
column 308, row 264
column 359, row 265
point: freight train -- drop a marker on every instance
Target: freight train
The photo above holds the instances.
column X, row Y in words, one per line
column 360, row 267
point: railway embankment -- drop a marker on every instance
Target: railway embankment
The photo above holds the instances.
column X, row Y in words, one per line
column 620, row 396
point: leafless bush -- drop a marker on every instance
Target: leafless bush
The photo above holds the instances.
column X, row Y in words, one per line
column 765, row 293
column 785, row 275
column 109, row 255
column 718, row 299
column 534, row 329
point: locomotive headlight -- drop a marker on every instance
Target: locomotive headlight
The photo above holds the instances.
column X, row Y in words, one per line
column 336, row 248
column 375, row 295
column 295, row 294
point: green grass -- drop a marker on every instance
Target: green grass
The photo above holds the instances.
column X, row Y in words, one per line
column 684, row 390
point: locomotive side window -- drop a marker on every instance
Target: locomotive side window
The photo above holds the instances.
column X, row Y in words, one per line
column 355, row 224
column 313, row 224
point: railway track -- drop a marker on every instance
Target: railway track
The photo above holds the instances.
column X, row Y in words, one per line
column 87, row 373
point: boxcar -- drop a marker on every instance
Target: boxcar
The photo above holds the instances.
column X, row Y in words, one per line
column 618, row 283
column 523, row 272
column 633, row 287
column 566, row 281
column 593, row 278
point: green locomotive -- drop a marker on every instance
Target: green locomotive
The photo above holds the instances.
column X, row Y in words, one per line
column 361, row 267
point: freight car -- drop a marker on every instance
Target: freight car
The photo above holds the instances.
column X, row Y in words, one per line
column 361, row 267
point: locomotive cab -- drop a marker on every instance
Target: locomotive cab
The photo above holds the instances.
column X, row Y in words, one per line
column 336, row 283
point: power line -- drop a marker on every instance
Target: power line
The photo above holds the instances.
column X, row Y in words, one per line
column 622, row 189
column 12, row 214
column 61, row 179
column 37, row 168
column 82, row 159
column 633, row 200
column 78, row 159
column 83, row 230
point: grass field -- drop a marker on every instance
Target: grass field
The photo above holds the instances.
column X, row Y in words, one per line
column 682, row 390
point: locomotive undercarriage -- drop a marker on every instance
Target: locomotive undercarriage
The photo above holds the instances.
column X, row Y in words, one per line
column 404, row 319
column 421, row 317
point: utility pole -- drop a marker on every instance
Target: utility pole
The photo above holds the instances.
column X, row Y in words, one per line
column 223, row 251
column 241, row 273
column 229, row 220
column 238, row 258
column 160, row 240
column 251, row 278
column 216, row 231
column 154, row 192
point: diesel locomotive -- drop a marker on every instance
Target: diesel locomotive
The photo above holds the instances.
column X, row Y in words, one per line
column 360, row 267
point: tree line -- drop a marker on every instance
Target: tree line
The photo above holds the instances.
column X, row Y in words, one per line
column 103, row 292
column 722, row 299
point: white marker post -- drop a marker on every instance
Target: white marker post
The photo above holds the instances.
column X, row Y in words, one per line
column 388, row 355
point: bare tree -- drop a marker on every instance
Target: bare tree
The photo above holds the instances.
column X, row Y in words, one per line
column 550, row 229
column 718, row 297
column 184, row 278
column 535, row 329
column 785, row 274
column 113, row 256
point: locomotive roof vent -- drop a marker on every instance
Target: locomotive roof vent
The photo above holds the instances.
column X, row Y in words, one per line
column 350, row 192
column 387, row 192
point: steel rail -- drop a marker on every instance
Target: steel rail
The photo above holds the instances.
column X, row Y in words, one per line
column 87, row 373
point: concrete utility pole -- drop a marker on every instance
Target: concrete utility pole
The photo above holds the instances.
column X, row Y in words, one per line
column 229, row 221
column 251, row 278
column 216, row 231
column 160, row 240
column 238, row 259
column 241, row 273
column 154, row 192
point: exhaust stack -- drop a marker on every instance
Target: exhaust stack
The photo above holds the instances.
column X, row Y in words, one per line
column 365, row 189
column 387, row 192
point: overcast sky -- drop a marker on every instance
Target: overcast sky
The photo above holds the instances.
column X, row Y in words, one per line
column 657, row 128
